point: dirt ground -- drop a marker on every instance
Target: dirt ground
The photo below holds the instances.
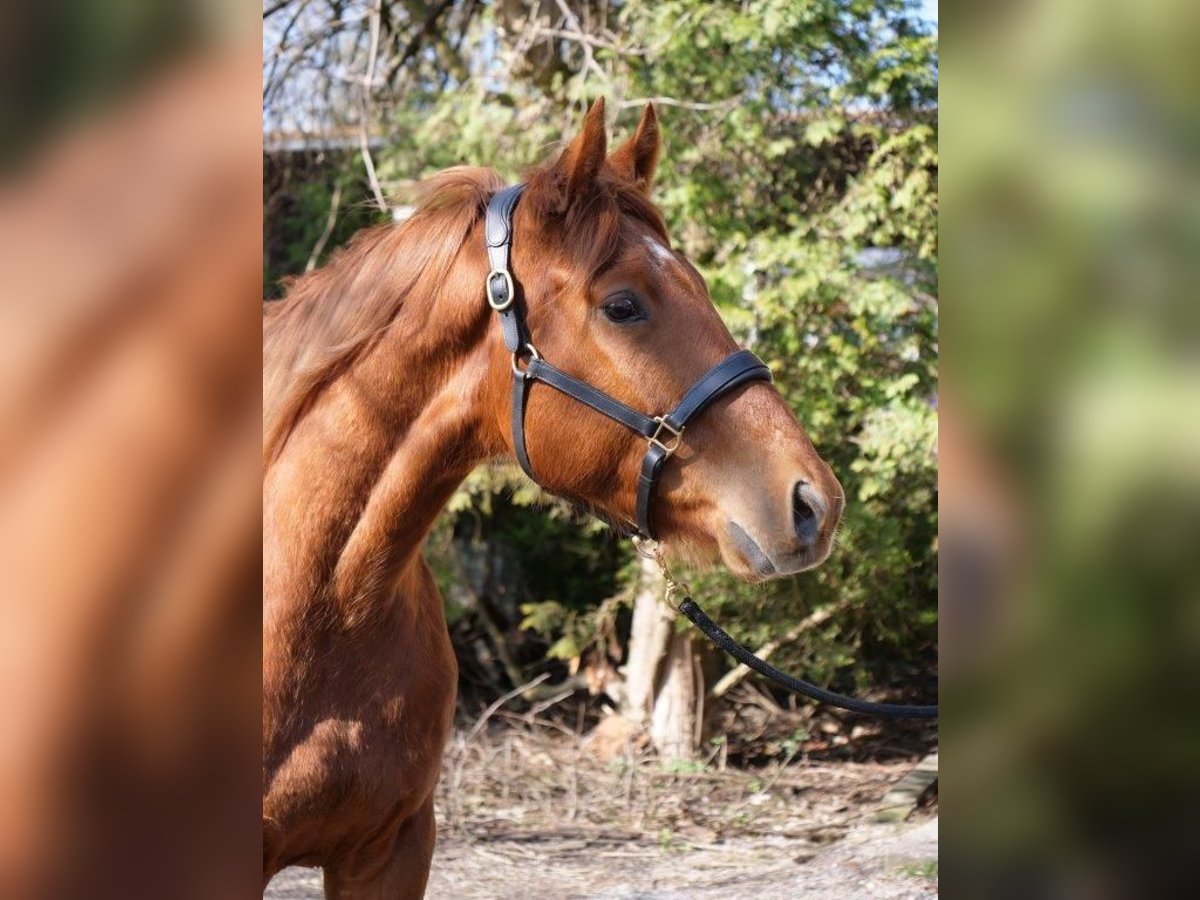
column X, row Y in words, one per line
column 528, row 810
column 896, row 862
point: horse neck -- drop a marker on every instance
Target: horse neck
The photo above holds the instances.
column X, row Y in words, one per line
column 364, row 474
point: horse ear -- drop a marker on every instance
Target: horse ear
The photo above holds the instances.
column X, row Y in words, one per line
column 637, row 158
column 581, row 161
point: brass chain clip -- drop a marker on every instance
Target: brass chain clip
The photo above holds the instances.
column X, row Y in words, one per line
column 675, row 590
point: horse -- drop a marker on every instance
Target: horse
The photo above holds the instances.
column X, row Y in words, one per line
column 386, row 381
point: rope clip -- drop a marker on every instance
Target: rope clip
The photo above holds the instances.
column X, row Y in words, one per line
column 676, row 591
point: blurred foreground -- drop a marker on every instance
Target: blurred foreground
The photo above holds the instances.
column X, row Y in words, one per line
column 1070, row 450
column 129, row 446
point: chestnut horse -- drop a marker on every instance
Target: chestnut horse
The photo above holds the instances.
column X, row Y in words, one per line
column 386, row 380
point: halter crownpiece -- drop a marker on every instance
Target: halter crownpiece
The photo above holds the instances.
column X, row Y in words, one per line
column 663, row 433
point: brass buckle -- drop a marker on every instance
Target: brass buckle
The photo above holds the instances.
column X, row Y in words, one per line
column 676, row 433
column 512, row 293
column 516, row 358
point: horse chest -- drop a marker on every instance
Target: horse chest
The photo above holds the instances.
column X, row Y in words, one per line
column 362, row 744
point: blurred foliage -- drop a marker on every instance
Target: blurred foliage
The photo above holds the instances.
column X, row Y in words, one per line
column 1074, row 206
column 800, row 175
column 63, row 61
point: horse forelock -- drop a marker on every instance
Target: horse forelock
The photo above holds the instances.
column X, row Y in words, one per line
column 590, row 231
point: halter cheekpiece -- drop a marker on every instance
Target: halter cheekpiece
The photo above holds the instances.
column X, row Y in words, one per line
column 663, row 433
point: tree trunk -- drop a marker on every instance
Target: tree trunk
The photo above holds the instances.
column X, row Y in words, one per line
column 677, row 720
column 664, row 681
column 649, row 637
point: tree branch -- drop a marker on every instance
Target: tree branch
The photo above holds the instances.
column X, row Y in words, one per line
column 582, row 38
column 276, row 7
column 365, row 123
column 487, row 713
column 334, row 202
column 414, row 42
column 588, row 57
column 812, row 620
column 682, row 104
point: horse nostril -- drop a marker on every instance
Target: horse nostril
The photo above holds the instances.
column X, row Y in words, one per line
column 808, row 511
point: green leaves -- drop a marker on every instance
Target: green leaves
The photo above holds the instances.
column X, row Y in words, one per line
column 823, row 131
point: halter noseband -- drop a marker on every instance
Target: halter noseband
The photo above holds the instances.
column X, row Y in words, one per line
column 663, row 433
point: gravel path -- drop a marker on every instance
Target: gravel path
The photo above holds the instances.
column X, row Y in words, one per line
column 872, row 862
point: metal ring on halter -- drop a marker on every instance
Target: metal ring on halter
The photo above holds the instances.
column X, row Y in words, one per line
column 533, row 354
column 508, row 283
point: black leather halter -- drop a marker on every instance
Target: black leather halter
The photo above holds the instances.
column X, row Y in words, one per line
column 663, row 433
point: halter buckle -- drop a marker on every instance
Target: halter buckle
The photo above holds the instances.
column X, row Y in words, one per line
column 676, row 433
column 516, row 360
column 511, row 293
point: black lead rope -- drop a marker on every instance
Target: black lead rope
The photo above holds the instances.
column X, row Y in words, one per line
column 721, row 638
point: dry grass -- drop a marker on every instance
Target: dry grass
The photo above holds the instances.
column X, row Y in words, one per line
column 527, row 811
column 535, row 776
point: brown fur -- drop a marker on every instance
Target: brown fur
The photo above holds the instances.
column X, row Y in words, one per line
column 385, row 381
column 334, row 313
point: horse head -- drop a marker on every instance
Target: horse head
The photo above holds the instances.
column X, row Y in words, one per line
column 606, row 299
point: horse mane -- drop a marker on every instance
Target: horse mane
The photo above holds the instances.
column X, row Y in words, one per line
column 332, row 316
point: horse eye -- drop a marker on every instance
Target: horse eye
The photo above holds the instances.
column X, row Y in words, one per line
column 622, row 308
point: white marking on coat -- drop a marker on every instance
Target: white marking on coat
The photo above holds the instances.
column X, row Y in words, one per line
column 661, row 253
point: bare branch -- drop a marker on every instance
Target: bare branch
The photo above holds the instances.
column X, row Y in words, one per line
column 812, row 620
column 414, row 43
column 582, row 38
column 318, row 248
column 727, row 103
column 365, row 118
column 487, row 713
column 282, row 44
column 588, row 56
